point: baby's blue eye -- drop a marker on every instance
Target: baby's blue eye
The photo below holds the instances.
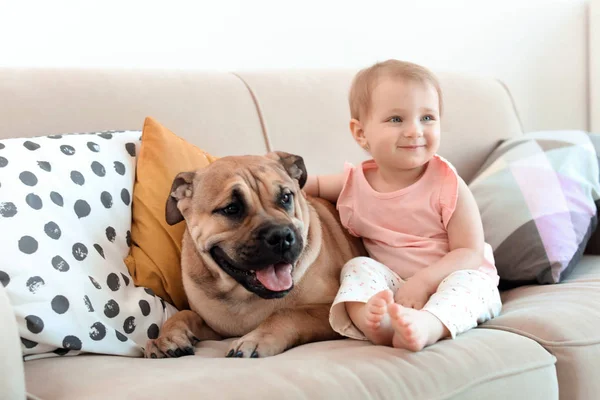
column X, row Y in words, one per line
column 428, row 118
column 395, row 119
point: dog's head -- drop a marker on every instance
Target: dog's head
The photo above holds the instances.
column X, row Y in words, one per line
column 247, row 217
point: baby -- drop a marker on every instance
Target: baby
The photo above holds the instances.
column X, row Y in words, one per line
column 430, row 275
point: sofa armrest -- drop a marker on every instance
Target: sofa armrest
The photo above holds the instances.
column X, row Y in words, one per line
column 12, row 374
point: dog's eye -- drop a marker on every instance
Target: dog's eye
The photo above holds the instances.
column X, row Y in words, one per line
column 286, row 198
column 231, row 209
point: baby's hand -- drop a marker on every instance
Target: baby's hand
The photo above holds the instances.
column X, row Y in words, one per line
column 413, row 293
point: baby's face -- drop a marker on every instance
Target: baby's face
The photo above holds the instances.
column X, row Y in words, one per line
column 403, row 127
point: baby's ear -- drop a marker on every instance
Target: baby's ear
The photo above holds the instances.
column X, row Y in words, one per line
column 358, row 133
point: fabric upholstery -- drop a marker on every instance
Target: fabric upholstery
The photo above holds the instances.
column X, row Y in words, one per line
column 473, row 364
column 209, row 109
column 12, row 378
column 564, row 319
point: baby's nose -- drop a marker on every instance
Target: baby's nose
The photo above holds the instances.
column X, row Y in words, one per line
column 414, row 130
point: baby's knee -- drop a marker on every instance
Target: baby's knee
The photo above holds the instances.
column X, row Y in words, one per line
column 359, row 260
column 356, row 262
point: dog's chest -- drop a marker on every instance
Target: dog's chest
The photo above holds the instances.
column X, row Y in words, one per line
column 230, row 318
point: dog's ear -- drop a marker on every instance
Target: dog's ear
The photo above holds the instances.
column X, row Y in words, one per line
column 180, row 189
column 293, row 164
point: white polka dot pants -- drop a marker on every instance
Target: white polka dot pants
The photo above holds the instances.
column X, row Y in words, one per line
column 463, row 300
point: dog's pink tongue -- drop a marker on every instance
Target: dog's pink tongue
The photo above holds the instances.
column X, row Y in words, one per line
column 276, row 277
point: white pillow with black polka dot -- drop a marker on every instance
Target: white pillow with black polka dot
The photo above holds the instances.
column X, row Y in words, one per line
column 65, row 219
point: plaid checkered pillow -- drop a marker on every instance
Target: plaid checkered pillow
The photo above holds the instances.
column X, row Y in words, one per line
column 537, row 195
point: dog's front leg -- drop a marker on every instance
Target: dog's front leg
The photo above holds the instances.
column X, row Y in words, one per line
column 285, row 329
column 178, row 336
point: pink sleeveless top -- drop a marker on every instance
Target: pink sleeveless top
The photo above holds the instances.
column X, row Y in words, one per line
column 406, row 229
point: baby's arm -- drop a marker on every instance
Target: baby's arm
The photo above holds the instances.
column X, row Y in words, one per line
column 325, row 186
column 465, row 236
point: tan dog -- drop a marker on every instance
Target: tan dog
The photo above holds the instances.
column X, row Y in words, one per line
column 258, row 261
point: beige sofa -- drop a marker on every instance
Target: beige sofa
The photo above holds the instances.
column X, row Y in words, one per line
column 545, row 343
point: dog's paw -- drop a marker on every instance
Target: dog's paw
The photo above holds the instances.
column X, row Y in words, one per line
column 170, row 344
column 255, row 345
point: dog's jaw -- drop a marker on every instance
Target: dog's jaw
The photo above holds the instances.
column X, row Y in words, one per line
column 246, row 277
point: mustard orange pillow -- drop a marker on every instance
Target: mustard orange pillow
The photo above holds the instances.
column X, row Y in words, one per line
column 154, row 259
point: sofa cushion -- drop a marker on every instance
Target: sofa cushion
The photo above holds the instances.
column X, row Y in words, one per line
column 65, row 212
column 156, row 246
column 536, row 195
column 479, row 364
column 563, row 318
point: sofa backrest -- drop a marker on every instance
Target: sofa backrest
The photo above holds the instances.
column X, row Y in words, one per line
column 299, row 111
column 307, row 112
column 212, row 110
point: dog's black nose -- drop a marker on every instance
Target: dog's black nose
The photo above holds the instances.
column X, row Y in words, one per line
column 280, row 238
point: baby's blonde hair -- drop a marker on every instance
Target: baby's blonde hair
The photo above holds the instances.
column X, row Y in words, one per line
column 366, row 80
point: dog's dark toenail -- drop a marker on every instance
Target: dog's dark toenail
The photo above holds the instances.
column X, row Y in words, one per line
column 230, row 354
column 239, row 354
column 189, row 351
column 153, row 355
column 195, row 338
column 179, row 353
column 171, row 353
column 254, row 354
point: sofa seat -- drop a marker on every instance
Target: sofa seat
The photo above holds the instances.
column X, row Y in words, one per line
column 564, row 319
column 482, row 363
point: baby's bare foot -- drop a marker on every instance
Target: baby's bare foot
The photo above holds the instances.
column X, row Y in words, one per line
column 374, row 313
column 414, row 329
column 376, row 308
